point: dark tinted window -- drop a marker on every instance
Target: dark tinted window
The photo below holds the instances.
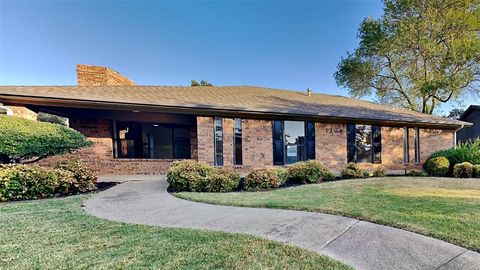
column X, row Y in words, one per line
column 150, row 140
column 218, row 133
column 237, row 142
column 406, row 146
column 417, row 145
column 293, row 141
column 364, row 143
column 277, row 131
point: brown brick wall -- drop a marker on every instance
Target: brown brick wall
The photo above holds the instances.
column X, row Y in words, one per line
column 100, row 76
column 331, row 144
column 228, row 124
column 100, row 158
column 206, row 149
column 432, row 140
column 257, row 143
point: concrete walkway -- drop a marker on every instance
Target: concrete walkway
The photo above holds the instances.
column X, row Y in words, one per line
column 363, row 245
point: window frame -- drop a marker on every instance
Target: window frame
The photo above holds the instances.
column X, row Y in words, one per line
column 375, row 141
column 145, row 153
column 417, row 145
column 218, row 142
column 406, row 145
column 308, row 145
column 237, row 155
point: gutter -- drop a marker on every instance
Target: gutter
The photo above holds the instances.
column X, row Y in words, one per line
column 455, row 136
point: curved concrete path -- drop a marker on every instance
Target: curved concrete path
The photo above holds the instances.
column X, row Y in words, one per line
column 363, row 245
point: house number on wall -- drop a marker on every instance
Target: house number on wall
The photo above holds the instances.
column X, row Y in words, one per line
column 334, row 130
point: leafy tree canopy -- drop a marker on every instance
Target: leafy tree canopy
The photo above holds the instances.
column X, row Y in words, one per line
column 419, row 54
column 455, row 113
column 202, row 83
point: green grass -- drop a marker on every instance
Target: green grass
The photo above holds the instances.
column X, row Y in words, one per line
column 57, row 234
column 447, row 209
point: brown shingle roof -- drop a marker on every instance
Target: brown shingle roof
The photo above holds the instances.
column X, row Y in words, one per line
column 232, row 98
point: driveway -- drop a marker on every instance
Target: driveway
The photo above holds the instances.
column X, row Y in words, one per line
column 363, row 245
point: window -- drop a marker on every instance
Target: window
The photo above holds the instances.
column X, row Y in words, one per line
column 218, row 141
column 406, row 146
column 237, row 142
column 149, row 140
column 417, row 145
column 293, row 141
column 364, row 144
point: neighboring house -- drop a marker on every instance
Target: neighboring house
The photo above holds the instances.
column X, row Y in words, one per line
column 472, row 115
column 143, row 129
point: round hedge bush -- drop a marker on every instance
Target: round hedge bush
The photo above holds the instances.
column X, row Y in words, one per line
column 190, row 175
column 476, row 171
column 224, row 180
column 379, row 172
column 85, row 178
column 22, row 139
column 437, row 166
column 352, row 171
column 22, row 182
column 262, row 179
column 463, row 170
column 310, row 171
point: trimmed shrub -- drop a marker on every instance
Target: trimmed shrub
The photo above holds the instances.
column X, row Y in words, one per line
column 224, row 180
column 310, row 171
column 415, row 172
column 463, row 170
column 22, row 139
column 282, row 174
column 464, row 152
column 52, row 118
column 190, row 175
column 22, row 182
column 437, row 166
column 352, row 171
column 476, row 171
column 85, row 178
column 262, row 179
column 379, row 172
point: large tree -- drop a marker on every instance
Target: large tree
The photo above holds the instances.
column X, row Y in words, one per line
column 419, row 54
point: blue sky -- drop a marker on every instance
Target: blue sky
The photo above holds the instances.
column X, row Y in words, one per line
column 284, row 44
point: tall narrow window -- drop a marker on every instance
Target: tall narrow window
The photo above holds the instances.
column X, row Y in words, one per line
column 218, row 141
column 237, row 142
column 364, row 143
column 377, row 144
column 277, row 131
column 310, row 139
column 417, row 145
column 406, row 146
column 293, row 141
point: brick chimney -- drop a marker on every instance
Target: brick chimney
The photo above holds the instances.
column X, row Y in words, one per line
column 100, row 76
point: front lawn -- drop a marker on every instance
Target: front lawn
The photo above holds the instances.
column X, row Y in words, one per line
column 443, row 208
column 57, row 234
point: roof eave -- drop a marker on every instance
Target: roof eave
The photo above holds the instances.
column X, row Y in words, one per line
column 92, row 104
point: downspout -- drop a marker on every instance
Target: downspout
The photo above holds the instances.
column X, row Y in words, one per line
column 455, row 137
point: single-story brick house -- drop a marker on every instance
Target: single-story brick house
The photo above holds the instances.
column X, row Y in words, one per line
column 143, row 129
